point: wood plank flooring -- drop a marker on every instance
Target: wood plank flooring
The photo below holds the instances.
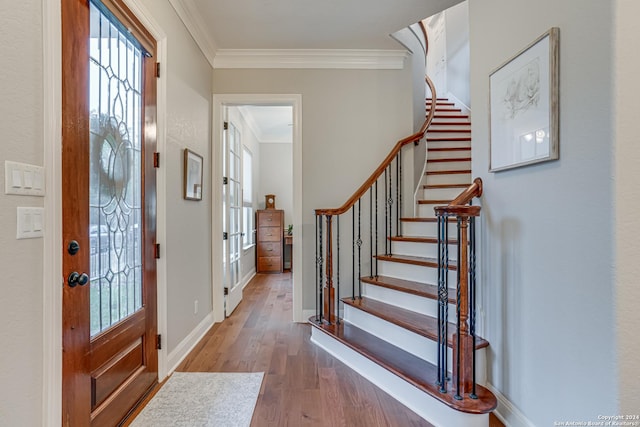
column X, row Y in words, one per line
column 303, row 384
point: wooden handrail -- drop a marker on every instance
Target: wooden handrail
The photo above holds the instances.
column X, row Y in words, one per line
column 474, row 190
column 387, row 161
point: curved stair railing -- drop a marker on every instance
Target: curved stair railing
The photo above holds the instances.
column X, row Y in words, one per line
column 386, row 180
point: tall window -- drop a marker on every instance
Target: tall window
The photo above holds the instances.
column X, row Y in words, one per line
column 247, row 199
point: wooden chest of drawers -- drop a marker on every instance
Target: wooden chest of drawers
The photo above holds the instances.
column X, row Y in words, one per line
column 270, row 232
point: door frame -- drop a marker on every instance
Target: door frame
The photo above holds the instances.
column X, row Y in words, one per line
column 52, row 245
column 219, row 102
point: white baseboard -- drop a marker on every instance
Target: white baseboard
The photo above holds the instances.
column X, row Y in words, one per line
column 247, row 278
column 181, row 351
column 507, row 412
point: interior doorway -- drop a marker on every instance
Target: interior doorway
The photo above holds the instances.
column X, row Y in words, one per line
column 267, row 137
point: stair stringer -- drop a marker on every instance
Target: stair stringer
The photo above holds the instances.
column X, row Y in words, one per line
column 410, row 396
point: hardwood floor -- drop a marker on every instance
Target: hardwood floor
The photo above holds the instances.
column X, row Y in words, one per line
column 303, row 384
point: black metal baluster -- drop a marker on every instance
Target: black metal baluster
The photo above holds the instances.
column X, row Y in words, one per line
column 445, row 322
column 376, row 229
column 371, row 231
column 441, row 377
column 399, row 224
column 320, row 267
column 359, row 243
column 458, row 396
column 338, row 269
column 398, row 194
column 317, row 311
column 353, row 253
column 472, row 291
column 390, row 203
column 387, row 251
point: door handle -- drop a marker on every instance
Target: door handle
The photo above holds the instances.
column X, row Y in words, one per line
column 76, row 278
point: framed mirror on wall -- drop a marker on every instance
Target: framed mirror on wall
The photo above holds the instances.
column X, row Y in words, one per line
column 524, row 122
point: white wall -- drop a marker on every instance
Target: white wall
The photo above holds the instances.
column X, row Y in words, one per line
column 627, row 203
column 457, row 42
column 547, row 230
column 188, row 243
column 351, row 120
column 276, row 177
column 21, row 302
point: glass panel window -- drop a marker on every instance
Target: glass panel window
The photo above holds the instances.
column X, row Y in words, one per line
column 248, row 227
column 115, row 183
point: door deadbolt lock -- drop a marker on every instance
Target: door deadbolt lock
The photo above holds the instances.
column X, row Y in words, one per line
column 73, row 247
column 76, row 278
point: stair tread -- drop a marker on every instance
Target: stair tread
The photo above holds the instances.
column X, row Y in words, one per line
column 450, row 159
column 426, row 290
column 448, row 149
column 424, row 219
column 436, row 186
column 414, row 260
column 448, row 131
column 421, row 324
column 450, row 116
column 437, row 123
column 434, row 202
column 448, row 172
column 449, row 138
column 412, row 369
column 419, row 239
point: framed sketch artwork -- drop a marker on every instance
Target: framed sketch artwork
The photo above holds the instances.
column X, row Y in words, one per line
column 192, row 175
column 524, row 106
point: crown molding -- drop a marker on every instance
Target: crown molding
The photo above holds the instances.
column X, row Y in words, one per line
column 312, row 58
column 194, row 24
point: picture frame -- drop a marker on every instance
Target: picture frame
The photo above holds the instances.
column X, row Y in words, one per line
column 193, row 168
column 524, row 106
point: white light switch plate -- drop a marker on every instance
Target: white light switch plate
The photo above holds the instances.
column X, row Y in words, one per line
column 30, row 223
column 23, row 179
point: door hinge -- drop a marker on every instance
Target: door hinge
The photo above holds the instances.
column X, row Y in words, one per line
column 225, row 180
column 226, row 290
column 225, row 235
column 156, row 160
column 226, row 126
column 158, row 342
column 157, row 70
column 156, row 251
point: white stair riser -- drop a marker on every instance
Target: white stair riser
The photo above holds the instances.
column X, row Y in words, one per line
column 425, row 229
column 407, row 301
column 441, row 193
column 419, row 346
column 458, row 115
column 449, row 120
column 448, row 154
column 444, row 166
column 417, row 273
column 433, row 133
column 454, row 178
column 419, row 402
column 449, row 144
column 419, row 249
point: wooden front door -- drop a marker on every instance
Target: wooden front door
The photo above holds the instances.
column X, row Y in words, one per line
column 109, row 320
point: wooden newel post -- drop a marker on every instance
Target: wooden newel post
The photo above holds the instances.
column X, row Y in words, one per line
column 329, row 290
column 463, row 348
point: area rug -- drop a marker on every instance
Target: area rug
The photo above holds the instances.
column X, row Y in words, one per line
column 202, row 399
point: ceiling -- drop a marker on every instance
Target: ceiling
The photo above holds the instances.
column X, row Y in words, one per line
column 269, row 123
column 308, row 24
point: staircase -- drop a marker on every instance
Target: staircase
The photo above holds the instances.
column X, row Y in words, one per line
column 389, row 330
